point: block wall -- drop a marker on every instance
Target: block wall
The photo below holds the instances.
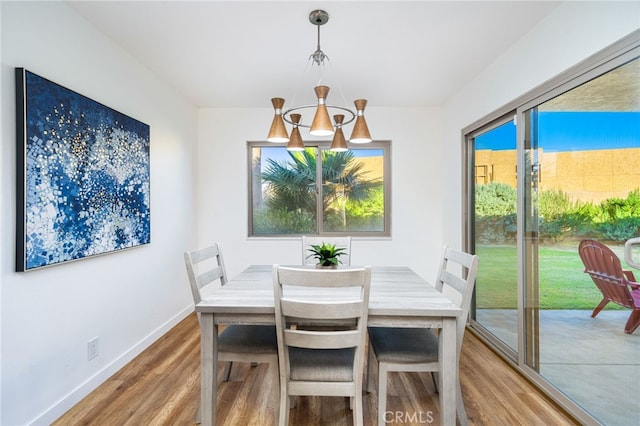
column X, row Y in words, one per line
column 583, row 175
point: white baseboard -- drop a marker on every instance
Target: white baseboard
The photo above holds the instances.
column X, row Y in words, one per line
column 75, row 396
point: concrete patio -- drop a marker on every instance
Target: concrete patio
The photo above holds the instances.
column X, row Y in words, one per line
column 591, row 360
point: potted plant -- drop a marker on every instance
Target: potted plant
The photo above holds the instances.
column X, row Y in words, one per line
column 327, row 255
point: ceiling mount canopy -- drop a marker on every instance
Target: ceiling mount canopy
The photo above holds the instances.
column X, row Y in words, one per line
column 318, row 18
column 321, row 125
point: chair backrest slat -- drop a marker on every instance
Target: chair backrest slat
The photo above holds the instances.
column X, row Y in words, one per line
column 207, row 277
column 321, row 340
column 198, row 256
column 305, row 277
column 316, row 310
column 457, row 283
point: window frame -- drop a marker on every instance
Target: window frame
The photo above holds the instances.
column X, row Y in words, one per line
column 384, row 145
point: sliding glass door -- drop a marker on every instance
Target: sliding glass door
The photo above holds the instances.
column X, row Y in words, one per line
column 494, row 212
column 582, row 160
column 557, row 168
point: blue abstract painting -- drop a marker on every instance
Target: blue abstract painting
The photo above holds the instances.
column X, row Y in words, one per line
column 83, row 176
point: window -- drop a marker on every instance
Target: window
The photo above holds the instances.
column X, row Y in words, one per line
column 317, row 191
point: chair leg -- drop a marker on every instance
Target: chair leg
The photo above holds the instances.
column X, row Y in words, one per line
column 226, row 373
column 462, row 413
column 600, row 306
column 283, row 417
column 633, row 322
column 382, row 393
column 276, row 393
column 371, row 362
column 357, row 409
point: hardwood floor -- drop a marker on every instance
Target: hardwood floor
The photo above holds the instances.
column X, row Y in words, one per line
column 162, row 387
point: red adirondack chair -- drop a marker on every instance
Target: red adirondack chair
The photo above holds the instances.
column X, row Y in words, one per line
column 617, row 286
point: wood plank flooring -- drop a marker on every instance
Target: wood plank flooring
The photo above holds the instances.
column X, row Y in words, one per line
column 162, row 387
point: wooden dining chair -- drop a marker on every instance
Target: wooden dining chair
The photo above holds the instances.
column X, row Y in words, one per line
column 339, row 242
column 322, row 362
column 616, row 284
column 255, row 344
column 416, row 349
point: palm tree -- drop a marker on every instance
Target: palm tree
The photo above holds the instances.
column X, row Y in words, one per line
column 292, row 183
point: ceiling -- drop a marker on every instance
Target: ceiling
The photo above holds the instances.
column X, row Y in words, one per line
column 617, row 90
column 241, row 54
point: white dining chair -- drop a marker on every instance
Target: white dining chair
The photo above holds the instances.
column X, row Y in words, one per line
column 339, row 242
column 324, row 362
column 255, row 344
column 416, row 349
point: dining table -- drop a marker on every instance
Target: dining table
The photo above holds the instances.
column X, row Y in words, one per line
column 398, row 297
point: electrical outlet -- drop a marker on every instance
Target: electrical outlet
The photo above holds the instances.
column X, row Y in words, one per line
column 92, row 348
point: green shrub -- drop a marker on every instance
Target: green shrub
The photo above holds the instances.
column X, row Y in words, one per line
column 553, row 203
column 495, row 213
column 618, row 219
column 369, row 207
column 618, row 208
column 359, row 215
column 621, row 229
column 495, row 199
column 560, row 217
column 496, row 229
column 282, row 221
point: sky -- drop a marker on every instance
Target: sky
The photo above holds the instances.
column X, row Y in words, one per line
column 572, row 131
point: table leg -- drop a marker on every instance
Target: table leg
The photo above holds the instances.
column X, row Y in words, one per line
column 448, row 371
column 208, row 369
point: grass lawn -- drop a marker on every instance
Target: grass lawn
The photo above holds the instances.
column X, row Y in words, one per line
column 563, row 284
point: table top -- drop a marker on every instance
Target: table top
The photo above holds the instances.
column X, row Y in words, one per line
column 395, row 292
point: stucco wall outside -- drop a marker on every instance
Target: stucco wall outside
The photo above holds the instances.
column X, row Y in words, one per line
column 583, row 175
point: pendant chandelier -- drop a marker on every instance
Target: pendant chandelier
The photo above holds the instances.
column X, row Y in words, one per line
column 321, row 125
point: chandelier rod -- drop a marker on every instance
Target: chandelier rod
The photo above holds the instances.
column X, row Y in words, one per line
column 319, row 56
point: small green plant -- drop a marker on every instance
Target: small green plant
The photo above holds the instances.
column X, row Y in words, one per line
column 327, row 254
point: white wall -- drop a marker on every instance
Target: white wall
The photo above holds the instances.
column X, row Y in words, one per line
column 129, row 298
column 417, row 189
column 573, row 32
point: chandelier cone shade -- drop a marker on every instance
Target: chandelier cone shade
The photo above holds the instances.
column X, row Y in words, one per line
column 360, row 133
column 339, row 144
column 295, row 141
column 278, row 132
column 321, row 125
